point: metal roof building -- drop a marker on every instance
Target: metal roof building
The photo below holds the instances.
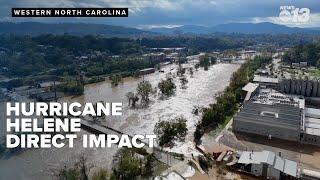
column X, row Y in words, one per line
column 272, row 114
column 311, row 126
column 267, row 164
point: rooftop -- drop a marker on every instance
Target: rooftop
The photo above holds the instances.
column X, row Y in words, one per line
column 249, row 157
column 312, row 126
column 267, row 157
column 312, row 112
column 263, row 79
column 272, row 97
column 250, row 87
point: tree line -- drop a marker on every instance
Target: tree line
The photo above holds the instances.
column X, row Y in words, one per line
column 228, row 101
column 303, row 53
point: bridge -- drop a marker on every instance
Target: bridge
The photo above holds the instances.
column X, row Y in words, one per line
column 162, row 156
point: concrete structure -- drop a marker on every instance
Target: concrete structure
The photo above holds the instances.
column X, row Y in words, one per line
column 147, row 71
column 270, row 113
column 48, row 96
column 311, row 126
column 307, row 174
column 266, row 81
column 268, row 165
column 308, row 88
column 172, row 175
column 156, row 57
column 250, row 90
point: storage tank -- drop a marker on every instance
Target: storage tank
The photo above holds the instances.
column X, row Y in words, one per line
column 287, row 86
column 282, row 86
column 309, row 88
column 314, row 88
column 298, row 86
column 292, row 86
column 303, row 87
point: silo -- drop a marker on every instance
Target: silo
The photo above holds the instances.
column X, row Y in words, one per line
column 314, row 88
column 309, row 88
column 298, row 86
column 282, row 85
column 287, row 86
column 303, row 87
column 292, row 86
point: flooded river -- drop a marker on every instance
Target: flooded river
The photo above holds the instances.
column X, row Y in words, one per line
column 200, row 91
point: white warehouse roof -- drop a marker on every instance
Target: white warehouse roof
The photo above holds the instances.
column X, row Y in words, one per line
column 250, row 87
column 284, row 165
column 312, row 112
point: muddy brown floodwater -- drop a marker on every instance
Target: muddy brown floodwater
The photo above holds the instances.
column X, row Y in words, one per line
column 201, row 90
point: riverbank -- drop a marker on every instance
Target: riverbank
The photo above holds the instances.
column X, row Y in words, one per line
column 228, row 101
column 201, row 90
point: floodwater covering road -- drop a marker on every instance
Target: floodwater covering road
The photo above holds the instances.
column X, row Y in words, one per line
column 201, row 89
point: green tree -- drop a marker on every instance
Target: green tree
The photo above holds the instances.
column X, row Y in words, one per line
column 69, row 174
column 204, row 62
column 191, row 71
column 101, row 175
column 144, row 89
column 132, row 98
column 167, row 86
column 180, row 70
column 115, row 79
column 148, row 165
column 167, row 131
column 183, row 81
column 128, row 167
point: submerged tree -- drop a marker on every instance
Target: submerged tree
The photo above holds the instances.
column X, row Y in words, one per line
column 204, row 62
column 167, row 131
column 191, row 71
column 132, row 98
column 180, row 70
column 77, row 172
column 101, row 175
column 183, row 81
column 144, row 89
column 167, row 86
column 116, row 79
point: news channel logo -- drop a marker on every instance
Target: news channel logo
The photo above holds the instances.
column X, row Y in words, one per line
column 291, row 14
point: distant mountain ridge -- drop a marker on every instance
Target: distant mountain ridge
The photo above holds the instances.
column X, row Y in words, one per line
column 35, row 28
column 245, row 28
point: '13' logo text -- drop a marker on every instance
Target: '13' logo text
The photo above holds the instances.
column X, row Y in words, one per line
column 290, row 14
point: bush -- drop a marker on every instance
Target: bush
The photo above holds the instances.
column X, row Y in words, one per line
column 69, row 174
column 128, row 167
column 101, row 175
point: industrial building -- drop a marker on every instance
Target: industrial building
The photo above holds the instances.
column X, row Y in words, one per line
column 267, row 164
column 307, row 88
column 273, row 114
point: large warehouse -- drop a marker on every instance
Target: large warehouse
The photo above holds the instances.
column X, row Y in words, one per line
column 273, row 114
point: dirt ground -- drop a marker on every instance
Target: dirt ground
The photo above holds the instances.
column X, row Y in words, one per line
column 307, row 156
column 214, row 174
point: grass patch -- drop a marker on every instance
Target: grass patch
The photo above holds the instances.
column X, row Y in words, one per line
column 315, row 72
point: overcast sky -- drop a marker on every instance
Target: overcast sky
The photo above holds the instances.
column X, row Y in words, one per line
column 170, row 13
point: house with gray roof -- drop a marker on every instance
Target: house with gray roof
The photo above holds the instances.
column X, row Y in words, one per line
column 267, row 164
